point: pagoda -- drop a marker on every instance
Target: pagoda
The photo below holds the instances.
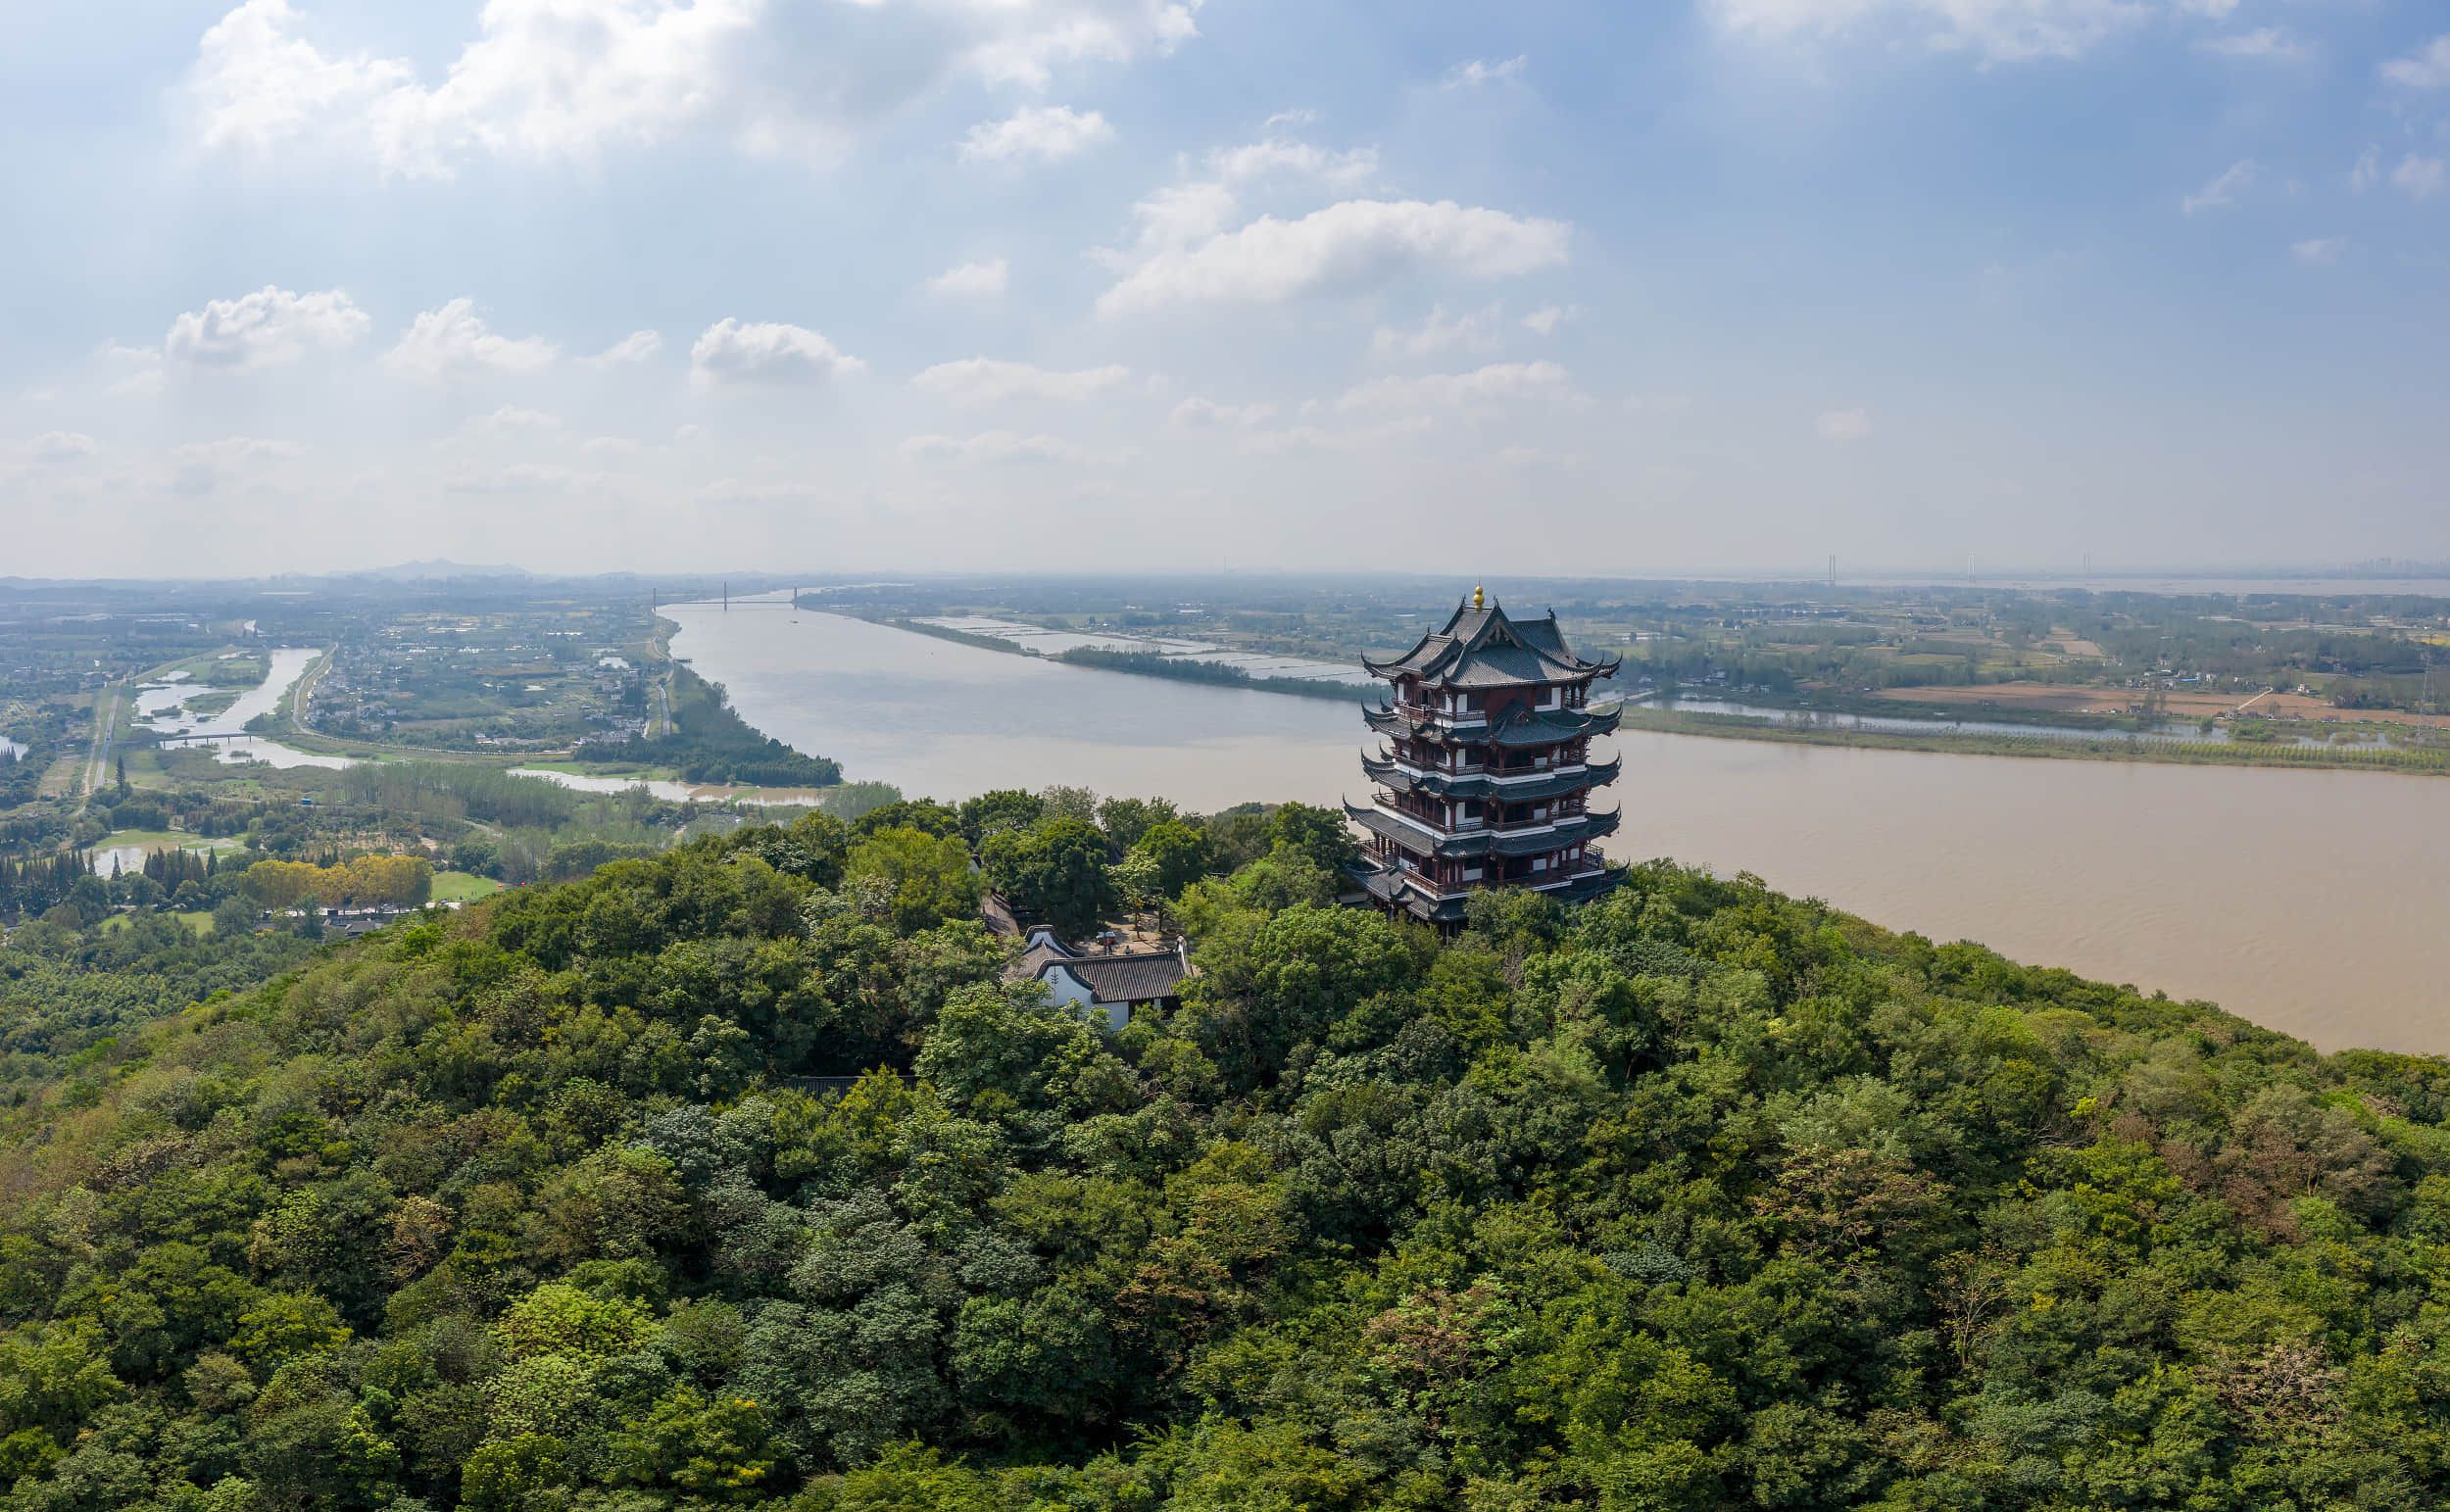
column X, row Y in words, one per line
column 1486, row 777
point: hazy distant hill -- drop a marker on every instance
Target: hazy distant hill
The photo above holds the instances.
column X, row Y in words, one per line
column 436, row 572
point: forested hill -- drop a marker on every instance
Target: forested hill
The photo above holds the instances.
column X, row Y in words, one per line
column 1704, row 1197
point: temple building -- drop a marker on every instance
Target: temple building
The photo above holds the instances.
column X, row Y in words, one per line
column 1486, row 777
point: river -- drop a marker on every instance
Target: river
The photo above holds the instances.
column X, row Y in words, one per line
column 2312, row 901
column 162, row 707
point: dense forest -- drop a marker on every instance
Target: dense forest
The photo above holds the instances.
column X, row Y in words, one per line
column 1700, row 1198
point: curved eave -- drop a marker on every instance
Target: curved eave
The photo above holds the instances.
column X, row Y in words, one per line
column 1555, row 728
column 1549, row 729
column 1593, row 885
column 1559, row 674
column 1397, row 891
column 1579, row 830
column 1390, row 776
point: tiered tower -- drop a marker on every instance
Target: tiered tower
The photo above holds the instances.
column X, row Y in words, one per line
column 1486, row 777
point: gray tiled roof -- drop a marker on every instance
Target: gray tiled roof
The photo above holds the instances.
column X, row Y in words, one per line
column 1483, row 647
column 1478, row 784
column 1521, row 728
column 1129, row 978
column 1574, row 829
column 1034, row 962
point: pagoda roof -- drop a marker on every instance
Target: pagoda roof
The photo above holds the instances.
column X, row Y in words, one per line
column 1480, row 784
column 1521, row 727
column 1400, row 889
column 1423, row 839
column 1487, row 647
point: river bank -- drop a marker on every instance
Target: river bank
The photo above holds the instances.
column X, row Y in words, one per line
column 2420, row 760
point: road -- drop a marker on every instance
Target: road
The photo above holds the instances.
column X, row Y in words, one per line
column 105, row 719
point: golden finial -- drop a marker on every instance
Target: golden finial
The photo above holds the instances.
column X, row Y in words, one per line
column 1479, row 600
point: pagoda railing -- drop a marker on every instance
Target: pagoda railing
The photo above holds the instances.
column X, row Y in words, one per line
column 1441, row 715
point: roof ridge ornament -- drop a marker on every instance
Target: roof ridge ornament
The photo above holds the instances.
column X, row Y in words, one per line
column 1479, row 600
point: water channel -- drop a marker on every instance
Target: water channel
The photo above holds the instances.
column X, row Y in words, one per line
column 2312, row 901
column 162, row 706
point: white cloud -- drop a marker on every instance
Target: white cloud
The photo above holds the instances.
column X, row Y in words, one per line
column 1546, row 320
column 1843, row 425
column 636, row 347
column 2427, row 67
column 1499, row 382
column 528, row 477
column 1172, row 218
column 2368, row 170
column 971, row 280
column 53, row 448
column 232, row 450
column 609, row 446
column 1031, row 36
column 1345, row 246
column 1357, row 438
column 568, row 80
column 543, row 79
column 454, row 342
column 2222, row 190
column 1300, row 116
column 1047, row 132
column 1284, row 155
column 2261, row 42
column 1536, row 459
column 1474, row 333
column 1995, row 31
column 766, row 353
column 1005, row 446
column 130, row 371
column 1197, row 413
column 2418, row 178
column 267, row 329
column 202, row 467
column 511, row 419
column 982, row 380
column 2317, row 250
column 1486, row 71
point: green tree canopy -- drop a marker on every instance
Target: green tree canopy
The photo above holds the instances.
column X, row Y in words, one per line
column 928, row 878
column 1056, row 871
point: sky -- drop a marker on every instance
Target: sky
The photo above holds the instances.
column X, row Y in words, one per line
column 853, row 285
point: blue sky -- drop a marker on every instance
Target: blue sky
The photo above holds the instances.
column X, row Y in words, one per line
column 852, row 284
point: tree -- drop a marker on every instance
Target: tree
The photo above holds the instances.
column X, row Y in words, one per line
column 1178, row 855
column 1056, row 870
column 1126, row 819
column 929, row 879
column 1069, row 803
column 1002, row 808
column 919, row 813
column 1136, row 879
column 1322, row 834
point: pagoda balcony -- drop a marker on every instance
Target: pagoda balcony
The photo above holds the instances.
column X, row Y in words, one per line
column 1399, row 776
column 1406, row 889
column 1519, row 731
column 1422, row 837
